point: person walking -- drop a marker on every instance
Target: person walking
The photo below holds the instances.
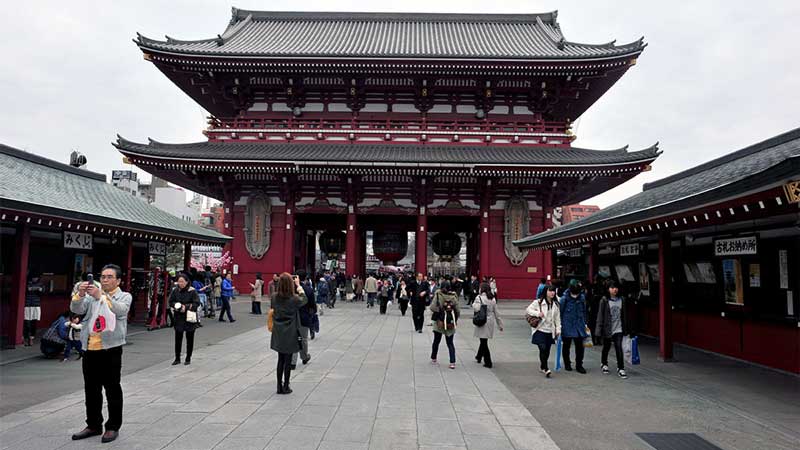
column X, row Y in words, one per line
column 402, row 296
column 227, row 293
column 486, row 332
column 332, row 290
column 216, row 280
column 257, row 290
column 540, row 288
column 573, row 325
column 308, row 312
column 612, row 326
column 285, row 339
column 445, row 311
column 546, row 308
column 33, row 309
column 371, row 288
column 323, row 291
column 106, row 312
column 201, row 290
column 185, row 303
column 311, row 306
column 419, row 300
column 383, row 294
column 358, row 288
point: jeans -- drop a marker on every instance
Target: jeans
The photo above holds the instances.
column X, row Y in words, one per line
column 437, row 338
column 483, row 352
column 284, row 369
column 70, row 345
column 226, row 307
column 101, row 370
column 566, row 342
column 418, row 316
column 179, row 343
column 370, row 299
column 303, row 346
column 616, row 339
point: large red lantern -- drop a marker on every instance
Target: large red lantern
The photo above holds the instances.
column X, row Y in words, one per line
column 389, row 247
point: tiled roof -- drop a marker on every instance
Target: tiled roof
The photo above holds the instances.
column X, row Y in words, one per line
column 35, row 184
column 703, row 184
column 370, row 153
column 393, row 35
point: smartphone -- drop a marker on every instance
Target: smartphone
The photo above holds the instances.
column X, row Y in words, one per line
column 90, row 279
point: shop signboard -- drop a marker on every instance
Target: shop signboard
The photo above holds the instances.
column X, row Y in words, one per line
column 81, row 241
column 742, row 245
column 629, row 250
column 157, row 248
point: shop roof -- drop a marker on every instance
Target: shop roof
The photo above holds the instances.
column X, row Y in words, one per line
column 31, row 183
column 367, row 154
column 742, row 171
column 392, row 35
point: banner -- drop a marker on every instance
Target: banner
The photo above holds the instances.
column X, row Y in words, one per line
column 81, row 241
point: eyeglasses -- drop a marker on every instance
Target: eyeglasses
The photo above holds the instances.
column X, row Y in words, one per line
column 108, row 277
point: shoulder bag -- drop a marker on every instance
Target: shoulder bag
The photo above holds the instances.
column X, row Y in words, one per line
column 480, row 316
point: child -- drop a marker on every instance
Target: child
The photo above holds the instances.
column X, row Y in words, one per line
column 612, row 326
column 73, row 326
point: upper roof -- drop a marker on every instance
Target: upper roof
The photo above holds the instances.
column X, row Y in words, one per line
column 758, row 165
column 367, row 154
column 392, row 35
column 35, row 184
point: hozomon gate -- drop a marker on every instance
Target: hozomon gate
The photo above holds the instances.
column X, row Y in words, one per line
column 390, row 122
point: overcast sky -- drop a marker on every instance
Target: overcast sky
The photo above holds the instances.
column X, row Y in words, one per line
column 715, row 77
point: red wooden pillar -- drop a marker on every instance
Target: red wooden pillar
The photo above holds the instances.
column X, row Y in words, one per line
column 128, row 265
column 19, row 284
column 483, row 232
column 665, row 297
column 288, row 237
column 351, row 244
column 421, row 244
column 187, row 257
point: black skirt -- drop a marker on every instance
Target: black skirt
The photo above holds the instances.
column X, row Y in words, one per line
column 542, row 338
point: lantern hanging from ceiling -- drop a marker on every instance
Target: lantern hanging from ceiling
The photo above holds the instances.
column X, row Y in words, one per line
column 332, row 243
column 446, row 244
column 389, row 247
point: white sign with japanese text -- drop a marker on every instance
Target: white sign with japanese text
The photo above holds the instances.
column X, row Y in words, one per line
column 629, row 250
column 745, row 245
column 81, row 241
column 157, row 248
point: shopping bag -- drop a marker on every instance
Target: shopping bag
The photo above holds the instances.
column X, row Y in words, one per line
column 558, row 353
column 389, row 303
column 105, row 320
column 270, row 316
column 587, row 341
column 627, row 349
column 635, row 350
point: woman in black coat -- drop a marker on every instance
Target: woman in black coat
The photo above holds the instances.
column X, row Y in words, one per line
column 286, row 303
column 183, row 299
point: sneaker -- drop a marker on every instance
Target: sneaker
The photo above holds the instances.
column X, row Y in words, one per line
column 548, row 373
column 622, row 374
column 605, row 369
column 543, row 370
column 452, row 366
column 434, row 362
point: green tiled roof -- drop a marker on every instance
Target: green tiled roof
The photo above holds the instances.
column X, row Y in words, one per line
column 31, row 183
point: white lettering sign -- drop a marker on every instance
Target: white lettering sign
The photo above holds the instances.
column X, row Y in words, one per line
column 745, row 245
column 157, row 248
column 81, row 241
column 629, row 250
column 574, row 252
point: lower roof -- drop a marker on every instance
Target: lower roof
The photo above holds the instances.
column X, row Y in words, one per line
column 37, row 185
column 757, row 166
column 302, row 152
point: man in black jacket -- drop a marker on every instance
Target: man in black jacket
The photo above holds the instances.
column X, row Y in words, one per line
column 419, row 290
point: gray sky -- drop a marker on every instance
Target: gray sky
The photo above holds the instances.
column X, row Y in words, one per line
column 716, row 76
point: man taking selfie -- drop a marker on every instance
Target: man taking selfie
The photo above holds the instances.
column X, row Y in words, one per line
column 106, row 314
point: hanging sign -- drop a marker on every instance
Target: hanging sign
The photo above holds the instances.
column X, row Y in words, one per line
column 574, row 252
column 81, row 241
column 792, row 191
column 157, row 248
column 629, row 250
column 743, row 245
column 783, row 268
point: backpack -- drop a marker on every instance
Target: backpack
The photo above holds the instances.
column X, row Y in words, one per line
column 447, row 316
column 480, row 317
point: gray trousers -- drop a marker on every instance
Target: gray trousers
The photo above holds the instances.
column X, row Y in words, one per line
column 304, row 346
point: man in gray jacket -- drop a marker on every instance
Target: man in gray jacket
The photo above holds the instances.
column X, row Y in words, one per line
column 106, row 316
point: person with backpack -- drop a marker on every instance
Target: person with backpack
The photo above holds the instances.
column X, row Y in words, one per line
column 573, row 323
column 612, row 326
column 545, row 319
column 486, row 331
column 445, row 313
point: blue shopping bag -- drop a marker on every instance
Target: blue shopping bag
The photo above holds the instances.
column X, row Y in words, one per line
column 558, row 353
column 635, row 350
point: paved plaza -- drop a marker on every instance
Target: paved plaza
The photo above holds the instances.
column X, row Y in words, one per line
column 370, row 385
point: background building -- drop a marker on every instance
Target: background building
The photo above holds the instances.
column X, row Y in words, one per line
column 173, row 201
column 571, row 213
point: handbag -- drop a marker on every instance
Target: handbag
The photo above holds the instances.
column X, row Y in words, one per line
column 534, row 321
column 270, row 316
column 558, row 353
column 191, row 316
column 635, row 351
column 480, row 317
column 587, row 341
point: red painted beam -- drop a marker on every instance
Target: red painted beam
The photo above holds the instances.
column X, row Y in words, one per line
column 19, row 283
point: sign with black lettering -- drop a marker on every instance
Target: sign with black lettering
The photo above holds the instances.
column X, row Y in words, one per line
column 629, row 250
column 81, row 241
column 743, row 245
column 157, row 248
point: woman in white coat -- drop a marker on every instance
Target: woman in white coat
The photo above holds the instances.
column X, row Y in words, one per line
column 547, row 309
column 486, row 332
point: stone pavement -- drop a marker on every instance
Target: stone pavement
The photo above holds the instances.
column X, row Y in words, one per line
column 369, row 385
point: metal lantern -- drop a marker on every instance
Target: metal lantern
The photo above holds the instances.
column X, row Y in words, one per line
column 389, row 247
column 446, row 245
column 332, row 242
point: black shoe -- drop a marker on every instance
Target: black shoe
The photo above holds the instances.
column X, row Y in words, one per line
column 86, row 433
column 478, row 360
column 305, row 361
column 293, row 366
column 233, row 320
column 176, row 362
column 187, row 362
column 488, row 365
column 568, row 367
column 312, row 336
column 280, row 389
column 199, row 325
column 287, row 389
column 222, row 320
column 109, row 436
column 580, row 369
